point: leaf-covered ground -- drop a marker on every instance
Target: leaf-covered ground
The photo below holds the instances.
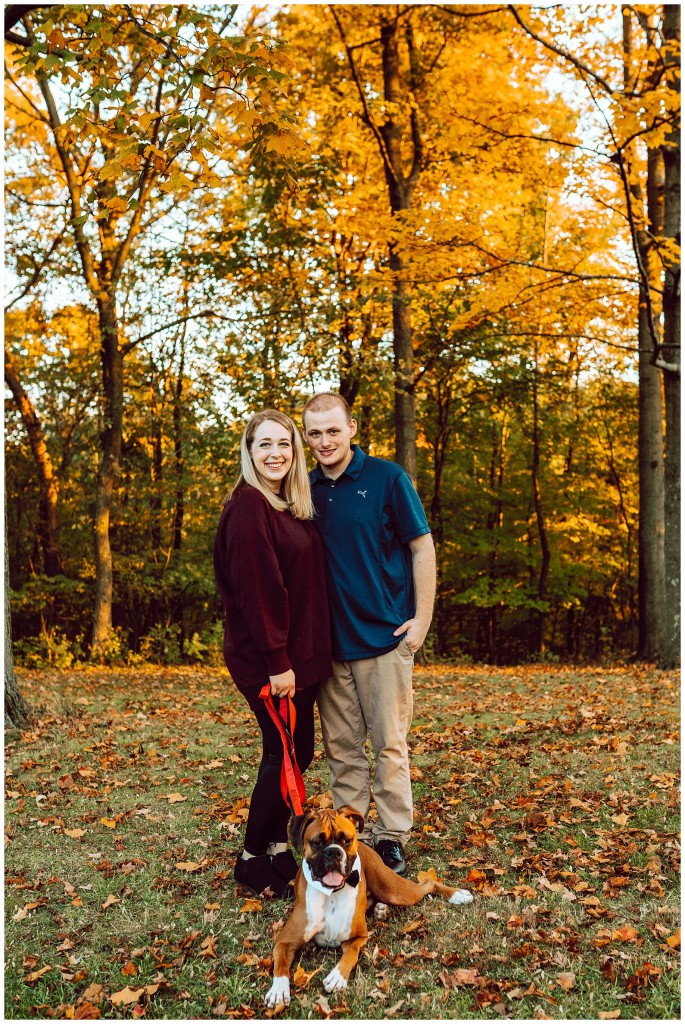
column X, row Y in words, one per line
column 552, row 793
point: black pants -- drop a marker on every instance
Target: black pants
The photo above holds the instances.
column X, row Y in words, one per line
column 269, row 814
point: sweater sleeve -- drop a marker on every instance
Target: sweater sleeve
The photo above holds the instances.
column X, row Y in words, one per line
column 254, row 574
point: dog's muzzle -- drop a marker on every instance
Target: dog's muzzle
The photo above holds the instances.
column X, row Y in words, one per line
column 332, row 868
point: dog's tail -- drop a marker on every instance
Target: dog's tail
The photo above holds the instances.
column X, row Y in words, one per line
column 391, row 888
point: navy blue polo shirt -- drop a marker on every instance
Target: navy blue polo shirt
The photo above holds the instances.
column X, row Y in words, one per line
column 366, row 518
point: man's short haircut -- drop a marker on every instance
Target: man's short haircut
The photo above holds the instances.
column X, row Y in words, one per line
column 323, row 402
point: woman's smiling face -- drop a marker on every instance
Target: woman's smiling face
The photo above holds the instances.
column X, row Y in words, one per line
column 272, row 453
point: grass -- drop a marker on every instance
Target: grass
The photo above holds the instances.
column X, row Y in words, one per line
column 550, row 792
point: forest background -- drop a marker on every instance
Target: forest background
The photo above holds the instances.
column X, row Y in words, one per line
column 465, row 218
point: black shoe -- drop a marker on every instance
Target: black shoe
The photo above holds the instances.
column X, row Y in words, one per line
column 257, row 874
column 284, row 865
column 392, row 853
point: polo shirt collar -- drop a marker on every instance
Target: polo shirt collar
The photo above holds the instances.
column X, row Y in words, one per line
column 354, row 468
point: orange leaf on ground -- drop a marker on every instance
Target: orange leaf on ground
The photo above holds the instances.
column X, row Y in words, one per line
column 108, row 822
column 566, row 980
column 74, row 833
column 626, row 933
column 87, row 1011
column 131, row 995
column 173, row 798
column 674, row 940
column 24, row 912
column 465, row 976
column 301, row 978
column 110, row 901
column 413, row 926
column 208, row 947
column 35, row 975
column 609, row 1014
column 129, row 969
column 427, row 876
column 251, row 907
column 188, row 865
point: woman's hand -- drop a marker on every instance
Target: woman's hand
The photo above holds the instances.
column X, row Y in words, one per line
column 283, row 685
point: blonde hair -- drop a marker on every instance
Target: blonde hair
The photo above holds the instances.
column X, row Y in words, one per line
column 323, row 402
column 295, row 487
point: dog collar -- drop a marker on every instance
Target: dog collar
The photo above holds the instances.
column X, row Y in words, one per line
column 352, row 879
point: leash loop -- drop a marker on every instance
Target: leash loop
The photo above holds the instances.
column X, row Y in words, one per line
column 292, row 784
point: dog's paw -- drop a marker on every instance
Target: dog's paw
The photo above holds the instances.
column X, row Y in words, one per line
column 381, row 911
column 335, row 981
column 461, row 897
column 279, row 993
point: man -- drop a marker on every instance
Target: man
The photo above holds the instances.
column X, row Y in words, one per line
column 381, row 583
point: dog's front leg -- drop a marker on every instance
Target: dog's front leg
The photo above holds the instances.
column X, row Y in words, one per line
column 285, row 951
column 337, row 979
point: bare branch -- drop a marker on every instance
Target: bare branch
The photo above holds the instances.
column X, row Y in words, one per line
column 368, row 119
column 125, row 349
column 561, row 52
column 35, row 276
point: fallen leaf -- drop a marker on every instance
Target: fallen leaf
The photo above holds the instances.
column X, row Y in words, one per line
column 75, row 833
column 609, row 1014
column 108, row 822
column 93, row 993
column 208, row 947
column 301, row 978
column 129, row 970
column 131, row 995
column 251, row 907
column 323, row 1006
column 35, row 975
column 111, row 899
column 24, row 912
column 465, row 976
column 413, row 926
column 626, row 933
column 566, row 980
column 87, row 1011
column 188, row 865
column 427, row 876
column 674, row 940
column 173, row 798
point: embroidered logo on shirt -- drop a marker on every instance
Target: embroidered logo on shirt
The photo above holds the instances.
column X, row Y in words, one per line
column 363, row 493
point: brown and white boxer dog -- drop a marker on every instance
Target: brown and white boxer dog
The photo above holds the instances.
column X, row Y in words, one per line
column 338, row 872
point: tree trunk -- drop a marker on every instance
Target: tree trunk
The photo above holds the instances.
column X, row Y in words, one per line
column 400, row 190
column 539, row 638
column 157, row 481
column 401, row 89
column 113, row 403
column 179, row 461
column 440, row 445
column 671, row 356
column 16, row 709
column 651, row 566
column 47, row 481
column 405, row 404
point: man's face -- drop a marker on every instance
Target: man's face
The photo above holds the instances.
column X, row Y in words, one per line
column 328, row 435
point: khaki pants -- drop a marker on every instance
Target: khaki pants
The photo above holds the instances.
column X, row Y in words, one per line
column 371, row 696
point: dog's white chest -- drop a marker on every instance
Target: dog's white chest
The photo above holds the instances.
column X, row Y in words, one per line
column 329, row 917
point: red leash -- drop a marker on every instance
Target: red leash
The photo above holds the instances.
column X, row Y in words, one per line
column 292, row 785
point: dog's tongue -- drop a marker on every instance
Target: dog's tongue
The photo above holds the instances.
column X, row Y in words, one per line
column 333, row 879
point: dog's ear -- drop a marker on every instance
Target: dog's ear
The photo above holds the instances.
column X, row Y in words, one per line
column 355, row 816
column 296, row 829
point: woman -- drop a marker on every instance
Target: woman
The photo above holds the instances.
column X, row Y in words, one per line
column 269, row 567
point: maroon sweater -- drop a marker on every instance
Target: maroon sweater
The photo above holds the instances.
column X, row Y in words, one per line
column 269, row 568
